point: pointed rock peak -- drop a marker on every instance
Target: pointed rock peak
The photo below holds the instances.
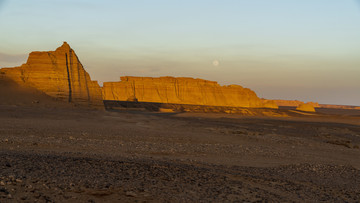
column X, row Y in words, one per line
column 64, row 47
column 65, row 44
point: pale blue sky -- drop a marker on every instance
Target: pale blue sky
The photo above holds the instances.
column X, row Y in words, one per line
column 290, row 49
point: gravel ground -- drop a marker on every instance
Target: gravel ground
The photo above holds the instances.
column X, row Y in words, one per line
column 73, row 155
column 51, row 178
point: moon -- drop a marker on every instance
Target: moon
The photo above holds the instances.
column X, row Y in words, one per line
column 216, row 63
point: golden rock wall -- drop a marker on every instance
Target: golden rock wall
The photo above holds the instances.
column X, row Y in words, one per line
column 293, row 103
column 181, row 91
column 306, row 107
column 59, row 74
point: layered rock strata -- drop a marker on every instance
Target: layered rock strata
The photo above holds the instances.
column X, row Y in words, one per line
column 58, row 74
column 334, row 106
column 182, row 91
column 293, row 103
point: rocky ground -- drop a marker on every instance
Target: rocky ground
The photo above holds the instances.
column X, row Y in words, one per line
column 77, row 155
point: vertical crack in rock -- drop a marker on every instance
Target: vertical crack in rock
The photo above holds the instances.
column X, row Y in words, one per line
column 143, row 89
column 202, row 93
column 79, row 67
column 55, row 66
column 158, row 92
column 86, row 85
column 74, row 89
column 133, row 87
column 63, row 78
column 177, row 90
column 166, row 95
column 68, row 76
column 78, row 74
column 22, row 75
column 183, row 91
column 113, row 94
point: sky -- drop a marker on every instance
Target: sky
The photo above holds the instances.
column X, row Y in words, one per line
column 307, row 50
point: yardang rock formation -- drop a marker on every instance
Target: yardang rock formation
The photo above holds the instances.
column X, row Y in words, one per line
column 294, row 103
column 59, row 74
column 182, row 91
column 306, row 107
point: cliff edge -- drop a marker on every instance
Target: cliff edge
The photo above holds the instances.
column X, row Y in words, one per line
column 58, row 74
column 182, row 90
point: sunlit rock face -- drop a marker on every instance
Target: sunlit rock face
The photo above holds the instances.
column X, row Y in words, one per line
column 59, row 74
column 181, row 91
column 269, row 104
column 309, row 107
column 293, row 103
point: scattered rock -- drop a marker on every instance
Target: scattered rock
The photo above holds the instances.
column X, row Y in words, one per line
column 131, row 194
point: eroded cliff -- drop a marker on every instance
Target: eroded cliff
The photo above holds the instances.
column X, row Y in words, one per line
column 181, row 91
column 58, row 74
column 306, row 107
column 293, row 103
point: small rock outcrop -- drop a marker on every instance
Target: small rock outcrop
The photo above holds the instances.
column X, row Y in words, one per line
column 58, row 74
column 308, row 107
column 336, row 106
column 293, row 103
column 182, row 91
column 270, row 104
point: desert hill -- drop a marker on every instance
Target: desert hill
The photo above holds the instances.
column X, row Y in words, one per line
column 58, row 74
column 182, row 91
column 61, row 75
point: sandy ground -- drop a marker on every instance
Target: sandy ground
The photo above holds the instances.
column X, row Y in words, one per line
column 76, row 155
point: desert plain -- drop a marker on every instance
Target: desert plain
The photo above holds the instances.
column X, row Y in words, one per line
column 66, row 154
column 60, row 150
